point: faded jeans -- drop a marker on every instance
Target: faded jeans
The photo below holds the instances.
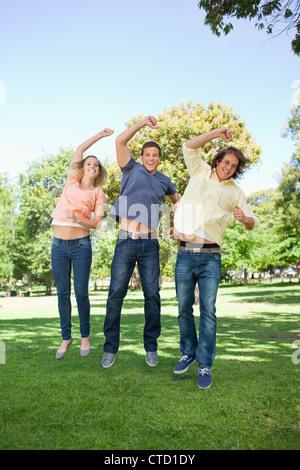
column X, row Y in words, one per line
column 128, row 252
column 66, row 254
column 204, row 269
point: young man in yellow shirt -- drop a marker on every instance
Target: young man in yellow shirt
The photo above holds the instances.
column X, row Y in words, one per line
column 201, row 220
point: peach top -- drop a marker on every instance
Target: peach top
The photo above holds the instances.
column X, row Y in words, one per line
column 83, row 202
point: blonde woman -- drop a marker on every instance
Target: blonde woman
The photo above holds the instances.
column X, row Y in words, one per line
column 79, row 209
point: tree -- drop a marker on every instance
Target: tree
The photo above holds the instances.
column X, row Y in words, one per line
column 103, row 252
column 181, row 123
column 288, row 230
column 264, row 241
column 177, row 125
column 284, row 14
column 8, row 205
column 40, row 187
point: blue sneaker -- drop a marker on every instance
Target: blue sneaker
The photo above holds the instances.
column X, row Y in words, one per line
column 204, row 377
column 184, row 363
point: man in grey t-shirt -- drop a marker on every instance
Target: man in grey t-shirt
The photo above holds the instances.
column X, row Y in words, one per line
column 138, row 210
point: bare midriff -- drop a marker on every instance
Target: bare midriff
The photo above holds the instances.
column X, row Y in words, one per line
column 195, row 239
column 69, row 233
column 133, row 226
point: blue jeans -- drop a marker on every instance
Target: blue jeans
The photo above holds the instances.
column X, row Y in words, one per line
column 64, row 255
column 204, row 268
column 128, row 252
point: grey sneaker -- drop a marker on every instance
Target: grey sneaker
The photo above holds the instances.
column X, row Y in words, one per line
column 108, row 359
column 152, row 358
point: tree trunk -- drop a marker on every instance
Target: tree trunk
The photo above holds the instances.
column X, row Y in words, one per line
column 245, row 277
column 49, row 286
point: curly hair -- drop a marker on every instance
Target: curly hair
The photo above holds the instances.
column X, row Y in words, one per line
column 243, row 161
column 76, row 170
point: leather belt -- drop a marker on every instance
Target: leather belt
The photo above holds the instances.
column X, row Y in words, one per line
column 136, row 235
column 201, row 248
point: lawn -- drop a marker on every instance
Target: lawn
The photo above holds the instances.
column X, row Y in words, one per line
column 76, row 404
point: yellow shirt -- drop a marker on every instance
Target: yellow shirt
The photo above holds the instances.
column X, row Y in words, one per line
column 208, row 202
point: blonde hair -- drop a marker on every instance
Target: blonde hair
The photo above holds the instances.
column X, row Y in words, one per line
column 76, row 170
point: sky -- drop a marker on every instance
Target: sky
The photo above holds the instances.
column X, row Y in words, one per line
column 69, row 68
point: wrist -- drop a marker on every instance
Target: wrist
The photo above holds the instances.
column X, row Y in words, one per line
column 217, row 134
column 142, row 123
column 249, row 222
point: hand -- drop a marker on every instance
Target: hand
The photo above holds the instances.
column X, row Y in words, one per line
column 225, row 134
column 69, row 213
column 151, row 122
column 238, row 214
column 106, row 132
column 173, row 233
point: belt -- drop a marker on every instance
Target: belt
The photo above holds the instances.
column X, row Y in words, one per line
column 136, row 235
column 201, row 248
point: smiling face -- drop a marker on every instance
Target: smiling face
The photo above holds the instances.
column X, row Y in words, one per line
column 91, row 167
column 226, row 168
column 151, row 159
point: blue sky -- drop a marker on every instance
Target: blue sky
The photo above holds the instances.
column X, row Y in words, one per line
column 70, row 68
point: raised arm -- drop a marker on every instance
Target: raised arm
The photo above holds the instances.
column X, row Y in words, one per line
column 199, row 141
column 123, row 152
column 78, row 154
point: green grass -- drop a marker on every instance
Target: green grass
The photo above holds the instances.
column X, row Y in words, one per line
column 76, row 404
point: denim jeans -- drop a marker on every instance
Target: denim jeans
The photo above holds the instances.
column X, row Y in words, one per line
column 66, row 254
column 204, row 268
column 128, row 252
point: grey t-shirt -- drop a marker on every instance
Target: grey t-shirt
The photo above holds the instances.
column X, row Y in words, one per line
column 141, row 195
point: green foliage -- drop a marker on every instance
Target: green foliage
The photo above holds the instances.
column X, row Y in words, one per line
column 275, row 243
column 8, row 207
column 103, row 252
column 267, row 14
column 288, row 228
column 180, row 123
column 288, row 204
column 177, row 125
column 292, row 126
column 40, row 187
column 25, row 222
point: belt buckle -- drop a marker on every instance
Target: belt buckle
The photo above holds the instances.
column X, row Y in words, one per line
column 194, row 250
column 134, row 236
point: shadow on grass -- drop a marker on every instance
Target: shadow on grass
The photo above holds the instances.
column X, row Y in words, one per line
column 50, row 404
column 277, row 293
column 257, row 337
column 269, row 296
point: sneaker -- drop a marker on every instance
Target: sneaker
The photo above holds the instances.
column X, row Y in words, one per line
column 204, row 377
column 184, row 363
column 152, row 358
column 108, row 359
